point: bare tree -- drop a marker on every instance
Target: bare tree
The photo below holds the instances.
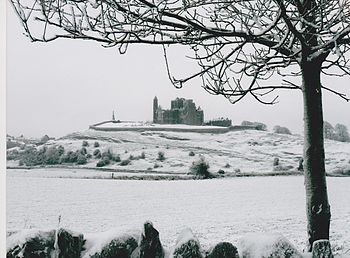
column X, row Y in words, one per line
column 238, row 44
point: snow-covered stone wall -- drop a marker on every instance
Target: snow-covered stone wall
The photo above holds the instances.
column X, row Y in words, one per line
column 62, row 243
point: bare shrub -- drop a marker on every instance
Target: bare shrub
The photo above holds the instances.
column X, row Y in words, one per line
column 161, row 156
column 200, row 168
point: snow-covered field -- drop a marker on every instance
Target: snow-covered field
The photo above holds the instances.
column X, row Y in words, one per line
column 216, row 210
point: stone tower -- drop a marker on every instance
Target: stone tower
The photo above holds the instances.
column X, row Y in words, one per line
column 155, row 107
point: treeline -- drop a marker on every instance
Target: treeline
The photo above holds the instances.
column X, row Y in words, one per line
column 52, row 155
column 338, row 133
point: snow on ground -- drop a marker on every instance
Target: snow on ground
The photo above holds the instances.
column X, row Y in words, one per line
column 84, row 173
column 234, row 152
column 143, row 125
column 216, row 210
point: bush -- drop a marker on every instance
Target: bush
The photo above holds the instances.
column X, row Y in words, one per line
column 107, row 154
column 100, row 163
column 227, row 165
column 44, row 139
column 161, row 156
column 143, row 155
column 131, row 157
column 125, row 162
column 12, row 155
column 116, row 158
column 257, row 125
column 281, row 130
column 110, row 156
column 83, row 151
column 96, row 144
column 70, row 157
column 44, row 156
column 221, row 172
column 200, row 168
column 85, row 144
column 104, row 161
column 191, row 154
column 32, row 157
column 81, row 159
column 88, row 156
column 52, row 156
column 97, row 153
column 60, row 150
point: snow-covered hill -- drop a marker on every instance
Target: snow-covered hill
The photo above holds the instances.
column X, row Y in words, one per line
column 232, row 153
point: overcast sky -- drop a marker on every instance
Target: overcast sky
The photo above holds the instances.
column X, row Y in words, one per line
column 64, row 86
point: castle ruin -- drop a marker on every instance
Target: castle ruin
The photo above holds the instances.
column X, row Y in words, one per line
column 182, row 111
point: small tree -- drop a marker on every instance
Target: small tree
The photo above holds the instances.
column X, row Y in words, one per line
column 341, row 133
column 338, row 133
column 200, row 168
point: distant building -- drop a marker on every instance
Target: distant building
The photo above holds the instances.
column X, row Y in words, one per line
column 182, row 111
column 224, row 122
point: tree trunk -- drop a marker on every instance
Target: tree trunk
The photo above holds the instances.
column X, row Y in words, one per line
column 317, row 207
